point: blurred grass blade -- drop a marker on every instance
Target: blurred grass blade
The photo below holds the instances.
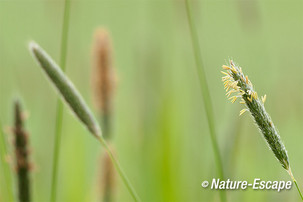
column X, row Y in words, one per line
column 59, row 108
column 205, row 94
column 66, row 88
column 6, row 169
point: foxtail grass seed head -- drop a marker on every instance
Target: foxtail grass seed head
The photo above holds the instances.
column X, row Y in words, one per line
column 66, row 89
column 22, row 155
column 103, row 77
column 238, row 86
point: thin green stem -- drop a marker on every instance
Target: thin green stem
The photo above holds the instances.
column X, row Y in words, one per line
column 58, row 129
column 298, row 189
column 119, row 169
column 59, row 110
column 295, row 181
column 64, row 36
column 205, row 94
column 6, row 169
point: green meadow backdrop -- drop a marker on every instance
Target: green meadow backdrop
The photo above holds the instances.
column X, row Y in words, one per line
column 160, row 127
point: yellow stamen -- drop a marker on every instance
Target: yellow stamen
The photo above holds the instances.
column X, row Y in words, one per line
column 246, row 79
column 226, row 85
column 227, row 88
column 224, row 73
column 233, row 69
column 234, row 85
column 233, row 99
column 242, row 78
column 263, row 98
column 226, row 67
column 250, row 98
column 243, row 111
column 230, row 92
column 227, row 82
column 225, row 78
column 255, row 95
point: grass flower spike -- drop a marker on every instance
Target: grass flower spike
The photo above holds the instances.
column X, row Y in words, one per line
column 77, row 104
column 238, row 85
column 103, row 79
column 103, row 85
column 23, row 165
column 66, row 88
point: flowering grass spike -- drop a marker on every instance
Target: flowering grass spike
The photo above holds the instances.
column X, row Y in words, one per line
column 74, row 100
column 237, row 85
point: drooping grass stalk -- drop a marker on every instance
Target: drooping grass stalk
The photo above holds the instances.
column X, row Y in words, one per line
column 205, row 94
column 59, row 105
column 103, row 84
column 6, row 169
column 236, row 82
column 76, row 103
column 22, row 156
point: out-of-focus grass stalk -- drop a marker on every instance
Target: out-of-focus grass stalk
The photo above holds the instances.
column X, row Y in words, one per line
column 74, row 100
column 59, row 110
column 103, row 84
column 21, row 141
column 205, row 94
column 108, row 176
column 103, row 80
column 6, row 170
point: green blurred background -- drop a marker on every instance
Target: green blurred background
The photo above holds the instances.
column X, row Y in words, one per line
column 160, row 128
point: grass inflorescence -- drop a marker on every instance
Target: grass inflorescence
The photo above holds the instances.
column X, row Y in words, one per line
column 238, row 86
column 103, row 79
column 66, row 88
column 74, row 100
column 23, row 166
column 103, row 85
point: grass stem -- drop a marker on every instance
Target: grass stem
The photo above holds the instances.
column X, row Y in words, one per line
column 119, row 169
column 59, row 110
column 295, row 181
column 205, row 94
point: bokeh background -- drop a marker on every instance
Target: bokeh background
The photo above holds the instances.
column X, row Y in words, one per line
column 160, row 128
